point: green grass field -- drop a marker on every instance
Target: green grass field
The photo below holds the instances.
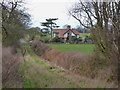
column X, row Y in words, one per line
column 83, row 35
column 84, row 48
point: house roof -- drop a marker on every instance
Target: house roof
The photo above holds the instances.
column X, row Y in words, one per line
column 63, row 31
column 75, row 31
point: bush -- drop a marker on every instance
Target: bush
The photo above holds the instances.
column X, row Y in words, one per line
column 56, row 39
column 39, row 48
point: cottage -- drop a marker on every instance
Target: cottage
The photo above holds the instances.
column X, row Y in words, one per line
column 65, row 33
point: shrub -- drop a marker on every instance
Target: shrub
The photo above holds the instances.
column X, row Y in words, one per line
column 56, row 39
column 39, row 48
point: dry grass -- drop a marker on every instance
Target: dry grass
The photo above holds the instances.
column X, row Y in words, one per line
column 10, row 64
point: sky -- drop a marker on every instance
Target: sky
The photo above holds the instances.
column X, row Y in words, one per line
column 44, row 9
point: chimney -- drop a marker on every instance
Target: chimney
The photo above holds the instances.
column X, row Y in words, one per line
column 68, row 27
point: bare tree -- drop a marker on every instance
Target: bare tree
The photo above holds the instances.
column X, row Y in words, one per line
column 99, row 17
column 14, row 20
column 103, row 19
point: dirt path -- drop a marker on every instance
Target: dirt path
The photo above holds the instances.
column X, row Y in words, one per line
column 42, row 74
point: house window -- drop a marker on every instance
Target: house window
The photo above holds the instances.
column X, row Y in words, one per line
column 68, row 34
column 77, row 36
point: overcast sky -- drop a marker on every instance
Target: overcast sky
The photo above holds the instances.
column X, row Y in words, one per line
column 44, row 9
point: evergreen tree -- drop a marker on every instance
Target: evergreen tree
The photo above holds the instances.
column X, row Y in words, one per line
column 50, row 24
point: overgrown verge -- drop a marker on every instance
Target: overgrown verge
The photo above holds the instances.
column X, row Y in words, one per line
column 87, row 65
column 38, row 74
column 10, row 65
column 41, row 74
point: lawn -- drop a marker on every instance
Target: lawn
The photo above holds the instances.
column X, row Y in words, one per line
column 84, row 48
